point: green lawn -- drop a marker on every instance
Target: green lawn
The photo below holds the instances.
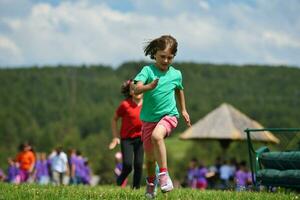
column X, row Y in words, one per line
column 28, row 192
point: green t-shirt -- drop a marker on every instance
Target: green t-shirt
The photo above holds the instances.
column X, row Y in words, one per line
column 160, row 101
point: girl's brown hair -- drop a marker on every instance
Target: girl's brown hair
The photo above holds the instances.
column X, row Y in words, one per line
column 160, row 44
column 125, row 88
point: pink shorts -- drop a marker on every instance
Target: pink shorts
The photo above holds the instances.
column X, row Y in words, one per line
column 169, row 122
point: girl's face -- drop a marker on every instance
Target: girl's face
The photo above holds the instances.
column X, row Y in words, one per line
column 164, row 58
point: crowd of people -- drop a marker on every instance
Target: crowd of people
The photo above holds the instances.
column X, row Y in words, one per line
column 222, row 175
column 57, row 168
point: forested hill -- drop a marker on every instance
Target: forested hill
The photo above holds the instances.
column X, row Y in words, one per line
column 74, row 105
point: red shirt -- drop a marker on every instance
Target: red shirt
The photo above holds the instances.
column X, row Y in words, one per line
column 131, row 125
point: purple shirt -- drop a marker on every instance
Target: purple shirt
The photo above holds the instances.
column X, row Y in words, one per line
column 12, row 172
column 86, row 174
column 73, row 159
column 41, row 168
column 242, row 178
column 201, row 175
column 118, row 169
column 192, row 177
column 79, row 166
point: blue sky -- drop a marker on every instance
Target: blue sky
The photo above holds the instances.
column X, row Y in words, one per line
column 36, row 32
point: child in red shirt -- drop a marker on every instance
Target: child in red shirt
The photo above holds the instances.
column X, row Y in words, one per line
column 129, row 135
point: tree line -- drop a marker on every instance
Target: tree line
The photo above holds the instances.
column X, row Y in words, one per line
column 72, row 106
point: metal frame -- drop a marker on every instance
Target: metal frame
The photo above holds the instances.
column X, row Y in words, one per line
column 251, row 149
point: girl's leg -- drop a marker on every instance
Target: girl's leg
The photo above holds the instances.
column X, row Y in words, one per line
column 147, row 130
column 138, row 162
column 151, row 175
column 157, row 137
column 127, row 153
column 150, row 164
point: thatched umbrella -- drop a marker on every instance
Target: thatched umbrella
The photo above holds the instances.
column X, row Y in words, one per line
column 226, row 124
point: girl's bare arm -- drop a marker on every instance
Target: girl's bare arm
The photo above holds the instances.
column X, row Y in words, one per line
column 181, row 101
column 139, row 87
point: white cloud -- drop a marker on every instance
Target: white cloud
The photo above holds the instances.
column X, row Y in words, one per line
column 281, row 39
column 9, row 45
column 9, row 49
column 78, row 32
column 204, row 5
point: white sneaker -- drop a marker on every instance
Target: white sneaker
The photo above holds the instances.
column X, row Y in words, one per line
column 165, row 182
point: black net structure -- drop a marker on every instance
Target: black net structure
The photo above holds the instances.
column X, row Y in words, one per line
column 278, row 163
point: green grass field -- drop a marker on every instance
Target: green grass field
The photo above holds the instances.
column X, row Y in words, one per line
column 24, row 192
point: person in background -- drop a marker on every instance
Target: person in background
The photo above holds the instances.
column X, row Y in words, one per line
column 59, row 166
column 233, row 167
column 119, row 167
column 213, row 177
column 50, row 156
column 41, row 172
column 79, row 168
column 86, row 179
column 225, row 174
column 72, row 166
column 129, row 135
column 191, row 173
column 201, row 175
column 26, row 159
column 2, row 176
column 242, row 177
column 13, row 172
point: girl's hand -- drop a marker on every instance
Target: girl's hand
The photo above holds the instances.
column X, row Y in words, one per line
column 114, row 143
column 139, row 87
column 153, row 84
column 186, row 118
